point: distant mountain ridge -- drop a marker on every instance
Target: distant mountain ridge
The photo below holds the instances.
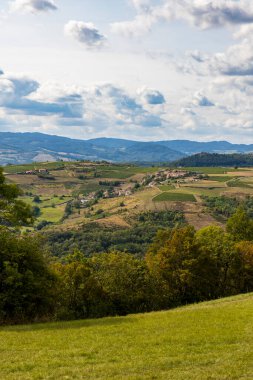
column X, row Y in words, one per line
column 18, row 148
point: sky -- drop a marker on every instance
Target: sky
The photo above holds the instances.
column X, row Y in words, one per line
column 144, row 70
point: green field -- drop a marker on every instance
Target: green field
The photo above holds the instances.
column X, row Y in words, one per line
column 174, row 197
column 34, row 166
column 166, row 187
column 207, row 341
column 77, row 180
column 213, row 170
column 238, row 183
column 220, row 178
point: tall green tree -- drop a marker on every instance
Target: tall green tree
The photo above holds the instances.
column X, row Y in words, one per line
column 173, row 264
column 240, row 226
column 223, row 271
column 79, row 293
column 13, row 212
column 126, row 281
column 26, row 281
column 245, row 250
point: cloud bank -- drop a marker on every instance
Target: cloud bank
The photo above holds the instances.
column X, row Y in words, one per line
column 203, row 14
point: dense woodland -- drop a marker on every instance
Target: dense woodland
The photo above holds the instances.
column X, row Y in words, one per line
column 163, row 264
column 223, row 207
column 215, row 159
column 94, row 238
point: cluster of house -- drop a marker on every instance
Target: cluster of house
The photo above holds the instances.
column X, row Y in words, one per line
column 87, row 199
column 166, row 175
column 117, row 192
column 35, row 171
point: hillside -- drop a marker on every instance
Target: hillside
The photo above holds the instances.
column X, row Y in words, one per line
column 212, row 340
column 215, row 160
column 193, row 147
column 20, row 148
column 36, row 147
column 114, row 195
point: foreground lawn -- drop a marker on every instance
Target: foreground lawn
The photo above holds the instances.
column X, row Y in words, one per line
column 207, row 341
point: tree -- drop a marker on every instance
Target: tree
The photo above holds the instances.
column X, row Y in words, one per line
column 36, row 199
column 79, row 293
column 194, row 266
column 13, row 212
column 172, row 264
column 245, row 250
column 26, row 282
column 36, row 211
column 224, row 268
column 240, row 226
column 126, row 281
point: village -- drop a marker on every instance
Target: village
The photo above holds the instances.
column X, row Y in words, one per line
column 162, row 177
column 115, row 189
column 110, row 193
column 170, row 176
column 34, row 172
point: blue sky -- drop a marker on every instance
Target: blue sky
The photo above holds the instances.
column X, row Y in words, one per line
column 136, row 69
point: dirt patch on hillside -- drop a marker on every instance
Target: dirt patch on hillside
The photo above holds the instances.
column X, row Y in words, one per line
column 113, row 220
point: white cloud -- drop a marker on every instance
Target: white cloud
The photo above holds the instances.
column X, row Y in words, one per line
column 86, row 33
column 151, row 96
column 236, row 61
column 16, row 98
column 34, row 6
column 201, row 100
column 215, row 13
column 25, row 103
column 141, row 4
column 203, row 14
column 140, row 25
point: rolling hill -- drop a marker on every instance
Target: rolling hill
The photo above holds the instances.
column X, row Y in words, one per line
column 20, row 148
column 212, row 340
column 193, row 147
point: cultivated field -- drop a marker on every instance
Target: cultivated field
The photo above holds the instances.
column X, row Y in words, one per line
column 76, row 182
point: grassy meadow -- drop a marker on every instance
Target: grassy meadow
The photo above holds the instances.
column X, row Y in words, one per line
column 212, row 340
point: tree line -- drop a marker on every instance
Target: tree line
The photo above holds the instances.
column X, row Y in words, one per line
column 215, row 159
column 180, row 266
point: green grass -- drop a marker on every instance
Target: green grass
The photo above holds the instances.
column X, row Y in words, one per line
column 90, row 187
column 201, row 342
column 174, row 197
column 116, row 174
column 123, row 172
column 166, row 187
column 238, row 183
column 52, row 214
column 22, row 168
column 46, row 201
column 213, row 170
column 48, row 212
column 220, row 178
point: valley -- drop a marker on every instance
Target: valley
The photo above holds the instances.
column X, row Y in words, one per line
column 71, row 194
